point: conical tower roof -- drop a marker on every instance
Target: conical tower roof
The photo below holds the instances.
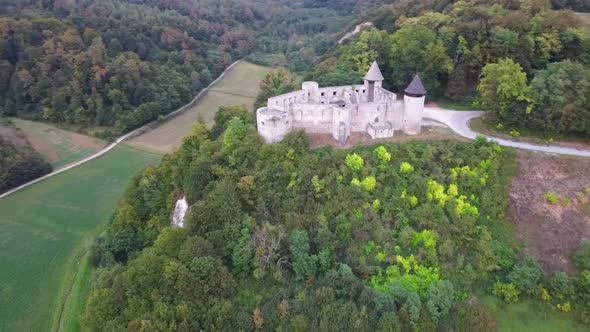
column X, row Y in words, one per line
column 415, row 87
column 374, row 73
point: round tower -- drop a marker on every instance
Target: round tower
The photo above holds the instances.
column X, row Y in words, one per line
column 272, row 124
column 414, row 96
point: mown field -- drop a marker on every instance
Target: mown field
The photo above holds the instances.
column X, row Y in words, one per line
column 45, row 231
column 238, row 87
column 59, row 147
column 585, row 19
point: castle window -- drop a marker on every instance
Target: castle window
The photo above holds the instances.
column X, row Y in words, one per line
column 322, row 94
column 262, row 123
column 334, row 93
column 376, row 119
column 364, row 90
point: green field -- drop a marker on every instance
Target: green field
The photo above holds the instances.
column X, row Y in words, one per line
column 238, row 87
column 585, row 20
column 529, row 316
column 59, row 147
column 45, row 230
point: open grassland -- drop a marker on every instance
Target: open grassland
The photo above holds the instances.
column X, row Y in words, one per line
column 529, row 316
column 59, row 147
column 45, row 230
column 238, row 87
column 585, row 19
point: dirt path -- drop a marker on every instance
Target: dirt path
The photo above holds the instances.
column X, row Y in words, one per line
column 120, row 139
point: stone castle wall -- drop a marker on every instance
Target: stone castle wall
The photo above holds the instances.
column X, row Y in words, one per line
column 339, row 111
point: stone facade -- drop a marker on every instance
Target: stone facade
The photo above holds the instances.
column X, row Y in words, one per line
column 340, row 110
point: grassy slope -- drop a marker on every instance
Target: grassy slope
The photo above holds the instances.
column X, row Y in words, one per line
column 529, row 316
column 45, row 230
column 59, row 147
column 585, row 19
column 238, row 87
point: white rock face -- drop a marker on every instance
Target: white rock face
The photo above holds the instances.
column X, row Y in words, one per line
column 179, row 212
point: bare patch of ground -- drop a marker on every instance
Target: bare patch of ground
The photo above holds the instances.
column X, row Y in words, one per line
column 551, row 233
column 429, row 133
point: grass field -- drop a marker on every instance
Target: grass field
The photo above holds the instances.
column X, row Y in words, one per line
column 585, row 19
column 529, row 316
column 238, row 87
column 45, row 230
column 59, row 147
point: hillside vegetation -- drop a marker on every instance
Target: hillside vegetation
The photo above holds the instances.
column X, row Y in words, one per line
column 282, row 237
column 119, row 64
column 524, row 62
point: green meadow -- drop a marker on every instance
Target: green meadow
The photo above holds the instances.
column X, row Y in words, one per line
column 45, row 231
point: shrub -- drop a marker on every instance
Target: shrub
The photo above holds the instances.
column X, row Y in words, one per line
column 582, row 256
column 355, row 182
column 354, row 162
column 406, row 169
column 369, row 183
column 526, row 276
column 376, row 205
column 507, row 292
column 552, row 198
column 382, row 154
column 514, row 133
column 499, row 126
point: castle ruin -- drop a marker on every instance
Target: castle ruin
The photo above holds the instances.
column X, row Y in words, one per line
column 340, row 110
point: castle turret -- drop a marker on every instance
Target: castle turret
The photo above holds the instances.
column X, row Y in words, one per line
column 373, row 79
column 312, row 89
column 414, row 96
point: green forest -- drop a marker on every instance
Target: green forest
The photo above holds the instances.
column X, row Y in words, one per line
column 111, row 66
column 281, row 237
column 522, row 61
column 19, row 162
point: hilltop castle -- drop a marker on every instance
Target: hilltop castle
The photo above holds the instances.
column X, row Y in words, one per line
column 340, row 110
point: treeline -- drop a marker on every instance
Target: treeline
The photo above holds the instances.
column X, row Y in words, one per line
column 19, row 162
column 393, row 237
column 119, row 64
column 450, row 43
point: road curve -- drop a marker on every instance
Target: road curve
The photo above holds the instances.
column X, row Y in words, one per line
column 120, row 139
column 458, row 121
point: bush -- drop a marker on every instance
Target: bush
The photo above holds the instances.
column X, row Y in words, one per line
column 354, row 162
column 582, row 256
column 526, row 276
column 507, row 292
column 405, row 168
column 514, row 133
column 552, row 198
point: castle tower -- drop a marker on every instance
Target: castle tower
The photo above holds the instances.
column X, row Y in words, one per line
column 373, row 79
column 414, row 96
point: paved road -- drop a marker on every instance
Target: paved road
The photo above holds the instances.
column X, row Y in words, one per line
column 458, row 121
column 119, row 140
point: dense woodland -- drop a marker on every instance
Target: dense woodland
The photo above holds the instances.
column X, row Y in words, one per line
column 114, row 65
column 533, row 62
column 19, row 162
column 281, row 237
